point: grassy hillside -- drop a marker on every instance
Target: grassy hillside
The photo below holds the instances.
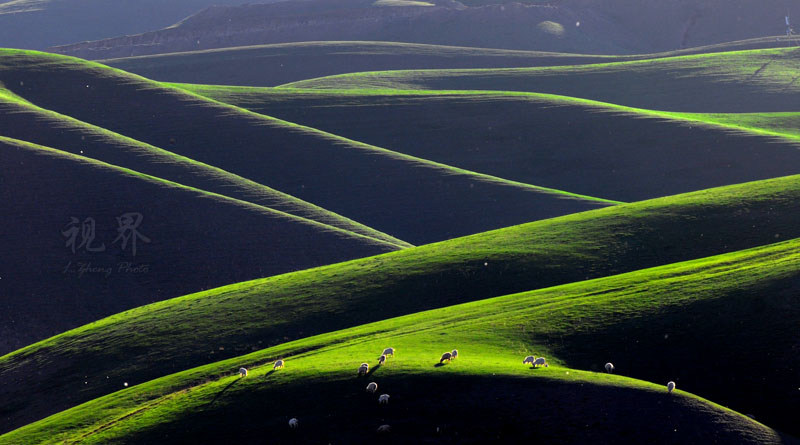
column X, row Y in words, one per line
column 783, row 124
column 381, row 188
column 736, row 81
column 186, row 240
column 25, row 121
column 647, row 322
column 586, row 147
column 270, row 65
column 574, row 26
column 276, row 64
column 185, row 332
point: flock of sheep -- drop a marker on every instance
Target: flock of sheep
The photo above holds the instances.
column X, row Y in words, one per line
column 383, row 399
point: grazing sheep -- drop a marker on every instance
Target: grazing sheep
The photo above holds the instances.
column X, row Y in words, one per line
column 609, row 368
column 293, row 422
column 278, row 364
column 384, row 429
column 388, row 351
column 372, row 387
column 446, row 356
column 243, row 372
column 670, row 387
column 383, row 399
column 381, row 359
column 363, row 369
column 529, row 359
column 454, row 354
column 539, row 361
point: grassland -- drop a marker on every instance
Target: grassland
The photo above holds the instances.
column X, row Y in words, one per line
column 735, row 81
column 280, row 63
column 447, row 202
column 563, row 143
column 102, row 273
column 647, row 322
column 149, row 342
column 23, row 120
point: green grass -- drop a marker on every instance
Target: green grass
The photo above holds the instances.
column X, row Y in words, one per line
column 621, row 153
column 46, row 294
column 785, row 125
column 26, row 121
column 579, row 325
column 448, row 201
column 276, row 64
column 735, row 81
column 185, row 332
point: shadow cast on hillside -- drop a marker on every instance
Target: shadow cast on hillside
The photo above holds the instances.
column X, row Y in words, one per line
column 372, row 371
column 219, row 394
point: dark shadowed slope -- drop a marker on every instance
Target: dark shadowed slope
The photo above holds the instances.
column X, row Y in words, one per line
column 532, row 256
column 575, row 26
column 585, row 147
column 174, row 240
column 37, row 24
column 271, row 65
column 25, row 121
column 647, row 322
column 738, row 81
column 410, row 198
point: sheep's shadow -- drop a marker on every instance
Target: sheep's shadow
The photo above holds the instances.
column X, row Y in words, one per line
column 439, row 365
column 372, row 371
column 219, row 394
column 270, row 373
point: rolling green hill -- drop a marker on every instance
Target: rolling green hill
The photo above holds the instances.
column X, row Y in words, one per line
column 271, row 65
column 368, row 184
column 149, row 342
column 68, row 259
column 647, row 322
column 736, row 81
column 25, row 121
column 586, row 147
column 280, row 63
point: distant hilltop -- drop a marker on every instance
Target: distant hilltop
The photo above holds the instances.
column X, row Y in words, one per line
column 577, row 26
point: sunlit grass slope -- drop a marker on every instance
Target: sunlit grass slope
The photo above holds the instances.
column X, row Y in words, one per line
column 180, row 240
column 170, row 336
column 371, row 185
column 737, row 81
column 571, row 144
column 648, row 322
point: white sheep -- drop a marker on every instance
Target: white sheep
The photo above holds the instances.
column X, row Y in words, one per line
column 372, row 387
column 293, row 422
column 539, row 361
column 243, row 372
column 528, row 359
column 446, row 356
column 670, row 387
column 454, row 354
column 363, row 369
column 384, row 429
column 383, row 399
column 381, row 359
column 388, row 351
column 278, row 364
column 609, row 368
